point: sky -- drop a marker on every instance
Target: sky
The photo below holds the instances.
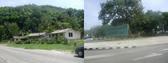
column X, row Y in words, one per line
column 77, row 4
column 92, row 8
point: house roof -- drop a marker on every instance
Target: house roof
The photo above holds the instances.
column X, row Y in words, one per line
column 61, row 31
column 43, row 33
column 36, row 34
column 19, row 37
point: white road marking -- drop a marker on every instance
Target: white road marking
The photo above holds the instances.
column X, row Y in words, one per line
column 164, row 50
column 147, row 56
column 106, row 55
column 99, row 56
column 139, row 58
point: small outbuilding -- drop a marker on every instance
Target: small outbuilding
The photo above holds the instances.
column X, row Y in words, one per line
column 30, row 36
column 19, row 38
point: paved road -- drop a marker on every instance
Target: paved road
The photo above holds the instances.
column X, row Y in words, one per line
column 146, row 54
column 16, row 55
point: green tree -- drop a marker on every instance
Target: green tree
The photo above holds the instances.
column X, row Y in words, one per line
column 165, row 19
column 2, row 32
column 33, row 18
column 118, row 12
column 12, row 29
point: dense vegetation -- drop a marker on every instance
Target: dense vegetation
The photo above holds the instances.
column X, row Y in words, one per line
column 32, row 18
column 69, row 47
column 130, row 12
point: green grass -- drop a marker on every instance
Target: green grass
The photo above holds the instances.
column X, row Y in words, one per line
column 60, row 47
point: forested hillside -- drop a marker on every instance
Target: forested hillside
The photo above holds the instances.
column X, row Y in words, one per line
column 32, row 18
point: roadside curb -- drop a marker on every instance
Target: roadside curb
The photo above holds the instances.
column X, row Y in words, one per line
column 110, row 48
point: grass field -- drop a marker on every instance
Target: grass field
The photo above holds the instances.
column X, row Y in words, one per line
column 61, row 47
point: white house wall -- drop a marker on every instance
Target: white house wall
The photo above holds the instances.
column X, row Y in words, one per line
column 76, row 34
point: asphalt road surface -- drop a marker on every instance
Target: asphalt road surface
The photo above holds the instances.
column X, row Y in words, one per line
column 16, row 55
column 146, row 54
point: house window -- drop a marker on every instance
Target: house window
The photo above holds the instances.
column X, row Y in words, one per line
column 70, row 35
